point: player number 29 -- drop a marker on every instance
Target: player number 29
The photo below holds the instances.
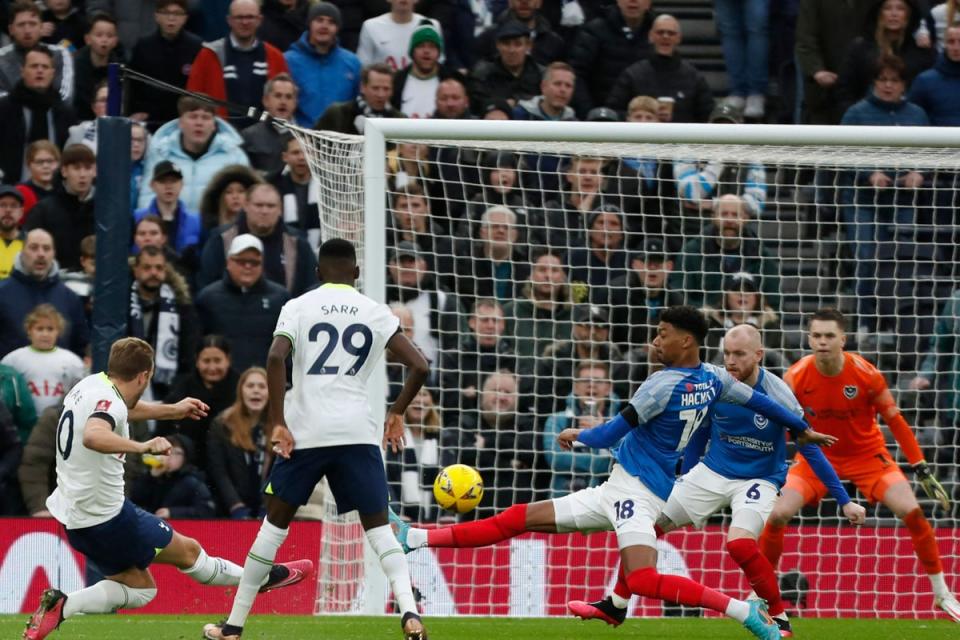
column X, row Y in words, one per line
column 362, row 350
column 692, row 418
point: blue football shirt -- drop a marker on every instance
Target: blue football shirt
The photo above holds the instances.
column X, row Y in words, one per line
column 671, row 405
column 745, row 444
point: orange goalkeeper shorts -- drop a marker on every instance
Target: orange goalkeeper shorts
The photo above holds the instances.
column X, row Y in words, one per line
column 872, row 475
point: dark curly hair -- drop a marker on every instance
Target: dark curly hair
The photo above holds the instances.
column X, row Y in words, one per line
column 689, row 319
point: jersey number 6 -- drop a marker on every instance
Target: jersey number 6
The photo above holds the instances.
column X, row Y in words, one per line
column 362, row 351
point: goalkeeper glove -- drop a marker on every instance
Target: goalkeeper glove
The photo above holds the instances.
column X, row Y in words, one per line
column 931, row 486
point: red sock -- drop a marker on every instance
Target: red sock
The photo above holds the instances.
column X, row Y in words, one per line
column 924, row 542
column 758, row 570
column 622, row 589
column 658, row 531
column 508, row 523
column 771, row 543
column 647, row 582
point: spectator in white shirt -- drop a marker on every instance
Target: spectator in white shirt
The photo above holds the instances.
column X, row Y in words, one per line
column 386, row 38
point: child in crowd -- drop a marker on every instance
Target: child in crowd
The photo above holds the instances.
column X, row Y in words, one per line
column 43, row 162
column 50, row 371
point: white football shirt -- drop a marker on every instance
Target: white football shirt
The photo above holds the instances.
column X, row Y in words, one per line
column 383, row 40
column 89, row 484
column 49, row 374
column 338, row 336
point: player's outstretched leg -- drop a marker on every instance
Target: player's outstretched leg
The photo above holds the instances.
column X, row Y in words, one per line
column 509, row 523
column 192, row 560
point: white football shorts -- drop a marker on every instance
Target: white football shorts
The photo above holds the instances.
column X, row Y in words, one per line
column 702, row 492
column 622, row 504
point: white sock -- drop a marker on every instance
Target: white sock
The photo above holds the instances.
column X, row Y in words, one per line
column 214, row 571
column 106, row 597
column 618, row 602
column 738, row 609
column 394, row 564
column 781, row 616
column 939, row 584
column 255, row 571
column 416, row 538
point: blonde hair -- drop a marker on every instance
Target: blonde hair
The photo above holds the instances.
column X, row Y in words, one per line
column 45, row 312
column 431, row 423
column 643, row 103
column 238, row 420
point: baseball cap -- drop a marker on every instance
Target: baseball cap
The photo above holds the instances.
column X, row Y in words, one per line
column 602, row 114
column 405, row 249
column 10, row 190
column 741, row 281
column 652, row 250
column 243, row 242
column 166, row 168
column 512, row 29
column 591, row 314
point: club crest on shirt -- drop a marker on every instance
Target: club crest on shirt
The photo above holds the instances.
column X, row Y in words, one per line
column 850, row 391
column 103, row 405
column 759, row 421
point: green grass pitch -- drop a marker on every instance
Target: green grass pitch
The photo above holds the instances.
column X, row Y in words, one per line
column 361, row 628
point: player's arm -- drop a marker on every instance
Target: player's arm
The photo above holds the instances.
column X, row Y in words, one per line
column 739, row 393
column 99, row 436
column 187, row 408
column 887, row 408
column 281, row 440
column 602, row 436
column 649, row 401
column 417, row 369
column 828, row 476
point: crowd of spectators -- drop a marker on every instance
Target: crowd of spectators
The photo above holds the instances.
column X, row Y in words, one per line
column 532, row 282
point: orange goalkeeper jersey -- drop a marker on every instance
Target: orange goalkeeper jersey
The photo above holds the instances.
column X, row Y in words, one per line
column 846, row 406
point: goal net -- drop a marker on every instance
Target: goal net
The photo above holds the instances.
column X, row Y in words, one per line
column 530, row 262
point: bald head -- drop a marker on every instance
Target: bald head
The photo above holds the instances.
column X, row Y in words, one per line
column 743, row 352
column 665, row 35
column 745, row 334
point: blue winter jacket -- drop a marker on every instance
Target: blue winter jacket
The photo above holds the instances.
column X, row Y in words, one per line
column 937, row 91
column 20, row 293
column 165, row 145
column 188, row 224
column 874, row 111
column 323, row 78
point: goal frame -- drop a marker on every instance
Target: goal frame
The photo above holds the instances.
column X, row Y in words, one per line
column 377, row 132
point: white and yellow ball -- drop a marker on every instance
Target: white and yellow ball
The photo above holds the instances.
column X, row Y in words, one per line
column 458, row 488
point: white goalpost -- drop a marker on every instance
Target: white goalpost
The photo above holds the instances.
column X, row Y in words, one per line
column 529, row 262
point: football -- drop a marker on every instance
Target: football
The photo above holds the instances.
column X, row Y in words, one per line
column 458, row 488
